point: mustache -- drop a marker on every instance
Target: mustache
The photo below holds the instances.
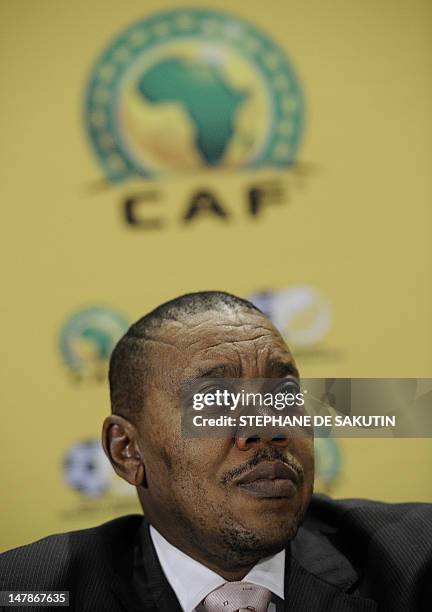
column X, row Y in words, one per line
column 264, row 454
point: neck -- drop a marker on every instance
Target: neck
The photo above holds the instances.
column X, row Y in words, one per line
column 232, row 567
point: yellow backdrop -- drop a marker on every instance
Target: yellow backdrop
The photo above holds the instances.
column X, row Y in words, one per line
column 339, row 248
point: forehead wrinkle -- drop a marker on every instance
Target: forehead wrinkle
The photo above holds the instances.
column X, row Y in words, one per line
column 238, row 319
column 267, row 333
column 262, row 359
column 229, row 325
column 192, row 335
column 229, row 343
column 270, row 344
column 167, row 343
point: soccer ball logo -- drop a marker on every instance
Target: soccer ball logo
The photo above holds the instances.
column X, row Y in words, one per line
column 86, row 468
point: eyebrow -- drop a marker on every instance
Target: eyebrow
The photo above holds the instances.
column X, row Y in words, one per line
column 282, row 368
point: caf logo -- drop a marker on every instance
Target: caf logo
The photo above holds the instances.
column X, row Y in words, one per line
column 192, row 89
column 87, row 339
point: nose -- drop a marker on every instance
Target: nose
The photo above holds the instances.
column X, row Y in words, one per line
column 248, row 437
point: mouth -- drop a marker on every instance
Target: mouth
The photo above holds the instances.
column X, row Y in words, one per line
column 270, row 480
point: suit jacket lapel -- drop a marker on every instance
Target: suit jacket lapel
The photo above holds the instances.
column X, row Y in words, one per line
column 157, row 585
column 305, row 591
column 319, row 577
column 138, row 581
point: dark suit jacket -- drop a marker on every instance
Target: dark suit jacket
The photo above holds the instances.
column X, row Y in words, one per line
column 348, row 555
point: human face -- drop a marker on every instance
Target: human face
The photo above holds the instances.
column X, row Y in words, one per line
column 195, row 494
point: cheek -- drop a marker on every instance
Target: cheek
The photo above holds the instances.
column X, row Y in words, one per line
column 176, row 464
column 185, row 477
column 196, row 460
column 304, row 452
column 157, row 442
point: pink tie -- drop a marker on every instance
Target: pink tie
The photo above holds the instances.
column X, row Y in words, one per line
column 237, row 597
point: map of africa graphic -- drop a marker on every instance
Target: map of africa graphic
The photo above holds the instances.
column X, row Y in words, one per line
column 208, row 99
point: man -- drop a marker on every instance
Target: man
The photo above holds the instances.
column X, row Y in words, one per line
column 230, row 523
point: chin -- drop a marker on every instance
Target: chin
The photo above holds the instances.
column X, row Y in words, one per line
column 275, row 524
column 259, row 537
column 276, row 534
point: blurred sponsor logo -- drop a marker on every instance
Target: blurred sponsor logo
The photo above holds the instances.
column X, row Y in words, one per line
column 87, row 339
column 301, row 313
column 87, row 471
column 328, row 464
column 86, row 468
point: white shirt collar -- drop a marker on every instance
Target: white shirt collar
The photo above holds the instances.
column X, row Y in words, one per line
column 191, row 581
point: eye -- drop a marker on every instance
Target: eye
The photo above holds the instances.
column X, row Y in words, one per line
column 214, row 389
column 221, row 393
column 286, row 385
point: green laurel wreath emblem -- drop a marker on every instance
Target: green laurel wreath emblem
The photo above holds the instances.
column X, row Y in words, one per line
column 283, row 91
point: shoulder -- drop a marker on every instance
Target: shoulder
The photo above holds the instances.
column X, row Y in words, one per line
column 389, row 546
column 55, row 561
column 369, row 516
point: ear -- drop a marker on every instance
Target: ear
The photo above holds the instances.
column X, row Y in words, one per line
column 120, row 442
